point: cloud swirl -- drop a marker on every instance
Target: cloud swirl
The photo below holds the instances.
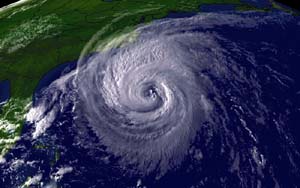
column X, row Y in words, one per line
column 144, row 100
column 193, row 88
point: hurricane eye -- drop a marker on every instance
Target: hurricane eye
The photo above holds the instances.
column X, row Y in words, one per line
column 150, row 92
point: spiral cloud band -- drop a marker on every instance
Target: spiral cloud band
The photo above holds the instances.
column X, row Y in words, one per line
column 144, row 100
column 179, row 88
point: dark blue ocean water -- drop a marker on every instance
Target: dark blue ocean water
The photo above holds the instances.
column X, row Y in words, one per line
column 217, row 8
column 258, row 3
column 4, row 91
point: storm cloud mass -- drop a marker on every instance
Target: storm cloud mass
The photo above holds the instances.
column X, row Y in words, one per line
column 178, row 89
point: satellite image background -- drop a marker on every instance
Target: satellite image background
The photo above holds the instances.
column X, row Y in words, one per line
column 185, row 93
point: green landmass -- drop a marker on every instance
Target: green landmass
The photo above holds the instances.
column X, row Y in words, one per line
column 38, row 35
column 72, row 25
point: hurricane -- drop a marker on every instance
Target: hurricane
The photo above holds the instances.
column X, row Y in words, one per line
column 151, row 97
column 145, row 101
column 148, row 97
